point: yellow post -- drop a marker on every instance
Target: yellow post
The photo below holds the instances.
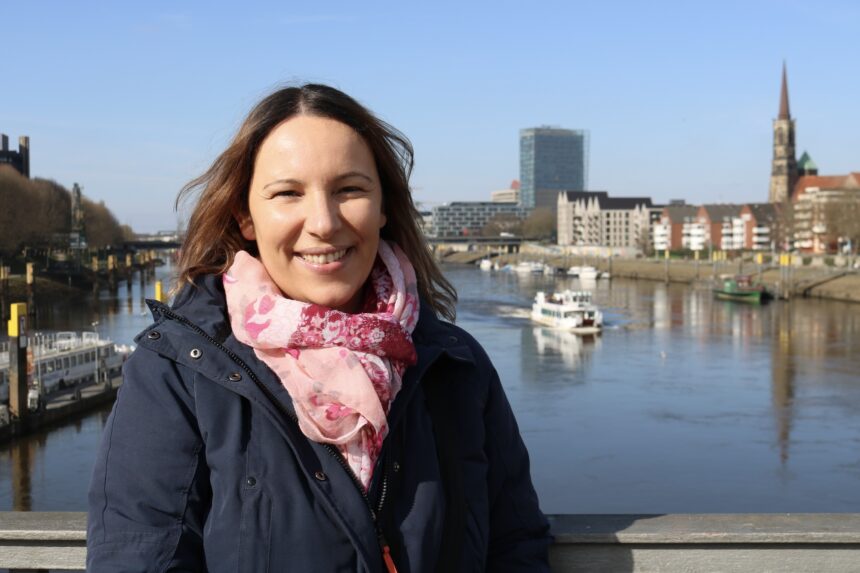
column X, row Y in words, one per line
column 159, row 293
column 696, row 255
column 666, row 254
column 128, row 261
column 17, row 310
column 29, row 273
column 759, row 258
column 18, row 367
column 94, row 262
column 111, row 262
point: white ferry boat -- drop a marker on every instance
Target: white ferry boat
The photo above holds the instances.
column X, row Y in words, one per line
column 568, row 310
column 62, row 359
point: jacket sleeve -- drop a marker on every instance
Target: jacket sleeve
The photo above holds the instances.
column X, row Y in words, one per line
column 519, row 531
column 150, row 489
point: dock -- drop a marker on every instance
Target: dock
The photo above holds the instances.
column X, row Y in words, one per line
column 62, row 406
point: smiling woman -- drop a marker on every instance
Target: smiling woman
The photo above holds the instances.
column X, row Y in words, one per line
column 315, row 211
column 302, row 406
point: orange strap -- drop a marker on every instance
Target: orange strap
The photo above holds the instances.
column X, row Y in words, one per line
column 389, row 562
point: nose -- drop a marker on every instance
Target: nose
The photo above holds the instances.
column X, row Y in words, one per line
column 323, row 215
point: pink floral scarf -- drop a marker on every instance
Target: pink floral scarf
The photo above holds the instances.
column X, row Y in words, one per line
column 341, row 370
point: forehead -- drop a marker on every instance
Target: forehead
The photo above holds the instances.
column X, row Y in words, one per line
column 313, row 144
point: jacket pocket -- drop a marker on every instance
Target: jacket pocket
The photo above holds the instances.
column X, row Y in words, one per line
column 255, row 531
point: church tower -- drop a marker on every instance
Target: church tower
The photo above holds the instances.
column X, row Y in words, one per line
column 783, row 174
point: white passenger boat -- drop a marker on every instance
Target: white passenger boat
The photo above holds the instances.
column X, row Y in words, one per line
column 486, row 265
column 62, row 359
column 568, row 310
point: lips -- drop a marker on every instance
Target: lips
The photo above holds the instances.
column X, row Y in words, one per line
column 323, row 258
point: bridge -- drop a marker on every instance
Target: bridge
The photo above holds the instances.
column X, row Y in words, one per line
column 694, row 543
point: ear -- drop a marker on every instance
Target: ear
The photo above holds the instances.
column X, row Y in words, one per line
column 246, row 226
column 382, row 219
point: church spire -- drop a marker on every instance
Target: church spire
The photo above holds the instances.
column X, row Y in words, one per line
column 783, row 97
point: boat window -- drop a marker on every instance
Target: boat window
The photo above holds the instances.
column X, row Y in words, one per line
column 66, row 363
column 75, row 360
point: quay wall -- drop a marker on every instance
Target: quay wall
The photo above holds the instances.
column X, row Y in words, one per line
column 693, row 543
column 804, row 281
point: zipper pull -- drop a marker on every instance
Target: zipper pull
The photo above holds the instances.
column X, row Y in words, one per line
column 386, row 554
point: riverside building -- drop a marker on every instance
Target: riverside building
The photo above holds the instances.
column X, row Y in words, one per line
column 593, row 218
column 468, row 218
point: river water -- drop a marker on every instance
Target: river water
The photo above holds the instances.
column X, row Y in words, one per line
column 682, row 404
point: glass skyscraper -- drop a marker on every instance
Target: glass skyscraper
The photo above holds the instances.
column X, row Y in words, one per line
column 551, row 160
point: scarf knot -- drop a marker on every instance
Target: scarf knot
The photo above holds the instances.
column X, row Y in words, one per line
column 341, row 370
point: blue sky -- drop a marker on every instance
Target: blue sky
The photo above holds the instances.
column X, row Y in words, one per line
column 131, row 101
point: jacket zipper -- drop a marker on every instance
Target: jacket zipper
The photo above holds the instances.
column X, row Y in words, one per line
column 383, row 543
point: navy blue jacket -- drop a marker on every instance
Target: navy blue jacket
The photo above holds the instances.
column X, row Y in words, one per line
column 203, row 467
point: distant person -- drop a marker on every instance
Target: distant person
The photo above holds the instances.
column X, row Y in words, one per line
column 301, row 406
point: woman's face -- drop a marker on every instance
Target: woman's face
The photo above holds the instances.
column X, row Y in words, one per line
column 315, row 206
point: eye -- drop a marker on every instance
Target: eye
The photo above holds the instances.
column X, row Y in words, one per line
column 351, row 189
column 287, row 193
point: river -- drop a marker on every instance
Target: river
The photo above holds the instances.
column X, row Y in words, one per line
column 682, row 404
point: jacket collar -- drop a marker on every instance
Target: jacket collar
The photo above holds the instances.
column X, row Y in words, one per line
column 205, row 305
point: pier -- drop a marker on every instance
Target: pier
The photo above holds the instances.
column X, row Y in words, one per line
column 693, row 543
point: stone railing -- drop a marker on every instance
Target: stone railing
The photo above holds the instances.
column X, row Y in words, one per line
column 584, row 543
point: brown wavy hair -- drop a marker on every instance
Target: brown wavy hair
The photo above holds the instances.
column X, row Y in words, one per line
column 213, row 236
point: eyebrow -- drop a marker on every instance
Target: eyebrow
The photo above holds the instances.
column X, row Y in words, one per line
column 340, row 177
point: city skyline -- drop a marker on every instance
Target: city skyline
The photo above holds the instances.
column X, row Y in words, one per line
column 679, row 100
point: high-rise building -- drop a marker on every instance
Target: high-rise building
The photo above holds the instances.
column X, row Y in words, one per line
column 783, row 173
column 551, row 160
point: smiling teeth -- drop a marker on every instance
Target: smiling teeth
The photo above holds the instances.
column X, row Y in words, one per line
column 323, row 259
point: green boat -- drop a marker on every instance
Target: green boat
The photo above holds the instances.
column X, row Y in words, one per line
column 741, row 289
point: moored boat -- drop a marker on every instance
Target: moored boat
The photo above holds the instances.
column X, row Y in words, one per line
column 568, row 310
column 740, row 288
column 585, row 272
column 64, row 359
column 529, row 267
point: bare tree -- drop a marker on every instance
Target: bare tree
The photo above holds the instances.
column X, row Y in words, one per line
column 502, row 223
column 542, row 223
column 842, row 220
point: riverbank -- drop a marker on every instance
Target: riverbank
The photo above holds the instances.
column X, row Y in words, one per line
column 45, row 290
column 794, row 281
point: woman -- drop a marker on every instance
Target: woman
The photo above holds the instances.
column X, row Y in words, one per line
column 301, row 407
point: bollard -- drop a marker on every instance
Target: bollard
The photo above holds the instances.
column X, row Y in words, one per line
column 17, row 330
column 4, row 289
column 31, row 288
column 159, row 293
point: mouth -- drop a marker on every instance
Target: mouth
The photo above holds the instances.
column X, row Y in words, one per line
column 323, row 258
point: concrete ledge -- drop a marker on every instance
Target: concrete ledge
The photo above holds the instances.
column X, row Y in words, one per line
column 591, row 543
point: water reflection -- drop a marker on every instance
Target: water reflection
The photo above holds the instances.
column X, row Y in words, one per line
column 574, row 349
